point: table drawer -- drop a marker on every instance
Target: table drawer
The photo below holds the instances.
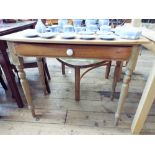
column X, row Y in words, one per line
column 78, row 51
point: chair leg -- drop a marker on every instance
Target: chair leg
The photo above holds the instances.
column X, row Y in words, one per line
column 47, row 85
column 119, row 71
column 46, row 69
column 63, row 69
column 77, row 83
column 108, row 67
column 15, row 70
column 115, row 78
column 14, row 89
column 2, row 82
column 42, row 75
column 0, row 71
column 46, row 76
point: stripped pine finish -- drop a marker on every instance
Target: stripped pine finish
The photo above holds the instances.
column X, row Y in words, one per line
column 104, row 50
column 61, row 114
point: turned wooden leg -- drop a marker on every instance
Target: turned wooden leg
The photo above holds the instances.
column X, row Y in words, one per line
column 42, row 75
column 77, row 83
column 25, row 86
column 115, row 78
column 127, row 77
column 63, row 69
column 108, row 67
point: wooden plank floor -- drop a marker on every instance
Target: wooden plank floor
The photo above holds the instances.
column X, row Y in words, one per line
column 61, row 114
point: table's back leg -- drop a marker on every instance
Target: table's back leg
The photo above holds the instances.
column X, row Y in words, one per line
column 126, row 80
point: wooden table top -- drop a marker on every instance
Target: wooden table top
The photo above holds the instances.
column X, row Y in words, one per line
column 150, row 34
column 19, row 37
column 7, row 27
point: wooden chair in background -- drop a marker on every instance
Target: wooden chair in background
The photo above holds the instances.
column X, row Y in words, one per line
column 7, row 66
column 79, row 64
column 92, row 65
column 41, row 64
column 33, row 63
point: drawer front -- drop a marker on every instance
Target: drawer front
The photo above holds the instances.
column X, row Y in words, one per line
column 75, row 51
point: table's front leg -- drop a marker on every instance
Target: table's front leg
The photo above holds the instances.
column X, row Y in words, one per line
column 126, row 80
column 25, row 85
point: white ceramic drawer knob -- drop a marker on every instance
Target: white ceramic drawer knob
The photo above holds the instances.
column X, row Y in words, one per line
column 69, row 52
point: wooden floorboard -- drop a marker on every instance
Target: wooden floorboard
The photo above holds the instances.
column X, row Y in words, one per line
column 26, row 128
column 61, row 114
